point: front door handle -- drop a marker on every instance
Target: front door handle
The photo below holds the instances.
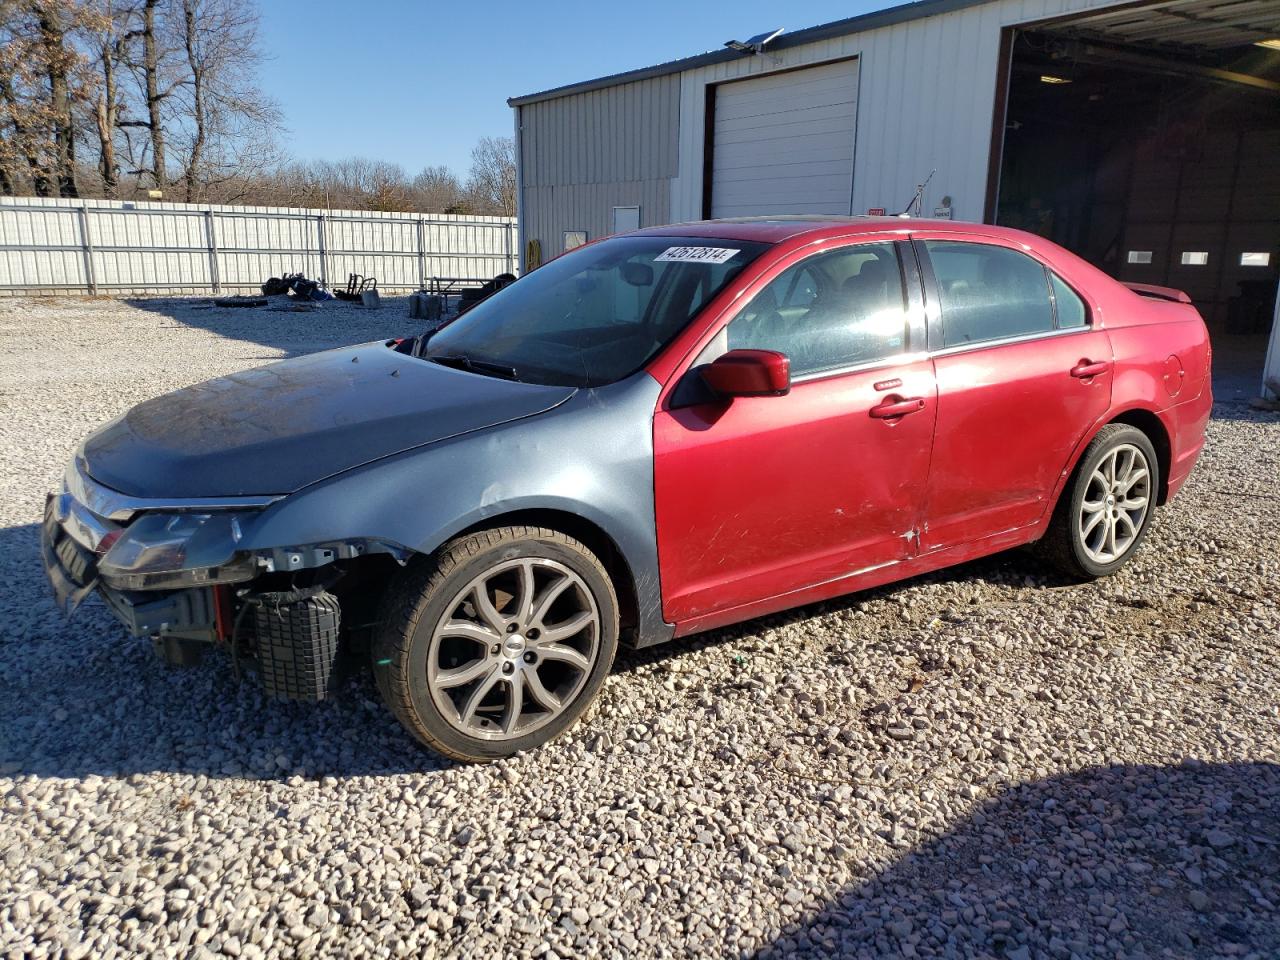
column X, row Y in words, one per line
column 896, row 407
column 1086, row 369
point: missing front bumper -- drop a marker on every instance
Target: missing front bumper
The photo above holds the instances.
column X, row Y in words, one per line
column 71, row 570
column 290, row 638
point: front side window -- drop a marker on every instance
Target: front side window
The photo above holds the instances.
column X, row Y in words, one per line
column 594, row 315
column 988, row 292
column 834, row 310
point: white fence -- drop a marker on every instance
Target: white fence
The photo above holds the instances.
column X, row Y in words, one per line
column 92, row 246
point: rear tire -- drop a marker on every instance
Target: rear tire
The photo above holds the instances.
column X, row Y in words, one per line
column 497, row 643
column 1107, row 507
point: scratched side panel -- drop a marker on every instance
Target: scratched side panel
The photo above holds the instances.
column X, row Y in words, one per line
column 764, row 496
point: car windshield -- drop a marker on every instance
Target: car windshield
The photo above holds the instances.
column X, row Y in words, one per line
column 594, row 315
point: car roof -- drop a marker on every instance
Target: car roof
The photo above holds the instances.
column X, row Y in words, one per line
column 808, row 229
column 778, row 229
column 799, row 231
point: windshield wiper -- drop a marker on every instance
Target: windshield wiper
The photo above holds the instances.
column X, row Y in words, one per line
column 463, row 362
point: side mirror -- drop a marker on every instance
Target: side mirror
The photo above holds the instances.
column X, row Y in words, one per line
column 748, row 373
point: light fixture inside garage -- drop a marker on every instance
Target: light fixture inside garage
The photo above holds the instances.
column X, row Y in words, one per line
column 1273, row 44
column 1050, row 78
column 755, row 44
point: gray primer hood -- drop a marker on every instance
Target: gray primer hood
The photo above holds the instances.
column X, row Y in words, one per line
column 281, row 427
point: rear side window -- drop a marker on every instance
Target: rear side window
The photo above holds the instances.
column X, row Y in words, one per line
column 1071, row 309
column 834, row 310
column 988, row 293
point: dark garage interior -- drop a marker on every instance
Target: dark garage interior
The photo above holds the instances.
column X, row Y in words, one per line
column 1147, row 140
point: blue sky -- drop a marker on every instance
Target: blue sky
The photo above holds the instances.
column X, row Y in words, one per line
column 418, row 83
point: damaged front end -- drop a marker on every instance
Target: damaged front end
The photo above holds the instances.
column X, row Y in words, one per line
column 175, row 571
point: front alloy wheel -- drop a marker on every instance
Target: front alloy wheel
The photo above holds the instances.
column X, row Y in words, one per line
column 498, row 642
column 513, row 648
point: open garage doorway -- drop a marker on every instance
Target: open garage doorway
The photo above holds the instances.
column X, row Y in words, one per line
column 1147, row 140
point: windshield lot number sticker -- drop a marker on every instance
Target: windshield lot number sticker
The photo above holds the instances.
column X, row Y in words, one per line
column 694, row 255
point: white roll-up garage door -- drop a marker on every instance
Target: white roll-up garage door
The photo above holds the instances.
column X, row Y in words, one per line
column 783, row 143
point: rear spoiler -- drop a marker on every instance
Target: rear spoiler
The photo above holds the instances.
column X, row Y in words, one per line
column 1153, row 292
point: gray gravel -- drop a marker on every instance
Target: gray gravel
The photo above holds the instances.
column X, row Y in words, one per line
column 983, row 762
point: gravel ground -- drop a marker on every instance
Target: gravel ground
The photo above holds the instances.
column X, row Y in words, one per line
column 982, row 762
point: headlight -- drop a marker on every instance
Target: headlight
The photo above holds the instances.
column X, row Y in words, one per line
column 160, row 550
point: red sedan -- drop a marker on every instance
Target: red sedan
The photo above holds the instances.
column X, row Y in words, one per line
column 655, row 434
column 921, row 394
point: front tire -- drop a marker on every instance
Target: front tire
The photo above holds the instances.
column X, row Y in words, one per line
column 497, row 643
column 1107, row 507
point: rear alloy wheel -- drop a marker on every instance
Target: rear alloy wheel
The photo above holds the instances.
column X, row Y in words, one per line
column 1114, row 507
column 499, row 643
column 1107, row 506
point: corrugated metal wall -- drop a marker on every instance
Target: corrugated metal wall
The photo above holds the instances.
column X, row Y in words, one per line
column 925, row 98
column 54, row 245
column 926, row 91
column 588, row 153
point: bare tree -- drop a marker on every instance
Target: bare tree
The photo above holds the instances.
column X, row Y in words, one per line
column 12, row 136
column 387, row 187
column 149, row 54
column 109, row 48
column 198, row 62
column 492, row 181
column 227, row 124
column 359, row 183
column 288, row 185
column 19, row 144
column 153, row 96
column 58, row 61
column 163, row 93
column 43, row 86
column 435, row 190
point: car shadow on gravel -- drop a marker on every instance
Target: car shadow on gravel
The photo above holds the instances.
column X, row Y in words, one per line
column 283, row 323
column 80, row 697
column 1139, row 860
column 74, row 693
column 1019, row 567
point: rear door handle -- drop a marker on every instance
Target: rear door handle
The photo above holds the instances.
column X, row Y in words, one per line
column 896, row 408
column 1085, row 369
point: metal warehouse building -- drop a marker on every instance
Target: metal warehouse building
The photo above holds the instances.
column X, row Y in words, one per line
column 1144, row 136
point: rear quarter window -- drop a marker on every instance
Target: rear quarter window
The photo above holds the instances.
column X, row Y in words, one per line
column 1071, row 309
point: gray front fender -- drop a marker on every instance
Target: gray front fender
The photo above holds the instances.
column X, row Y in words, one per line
column 592, row 457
